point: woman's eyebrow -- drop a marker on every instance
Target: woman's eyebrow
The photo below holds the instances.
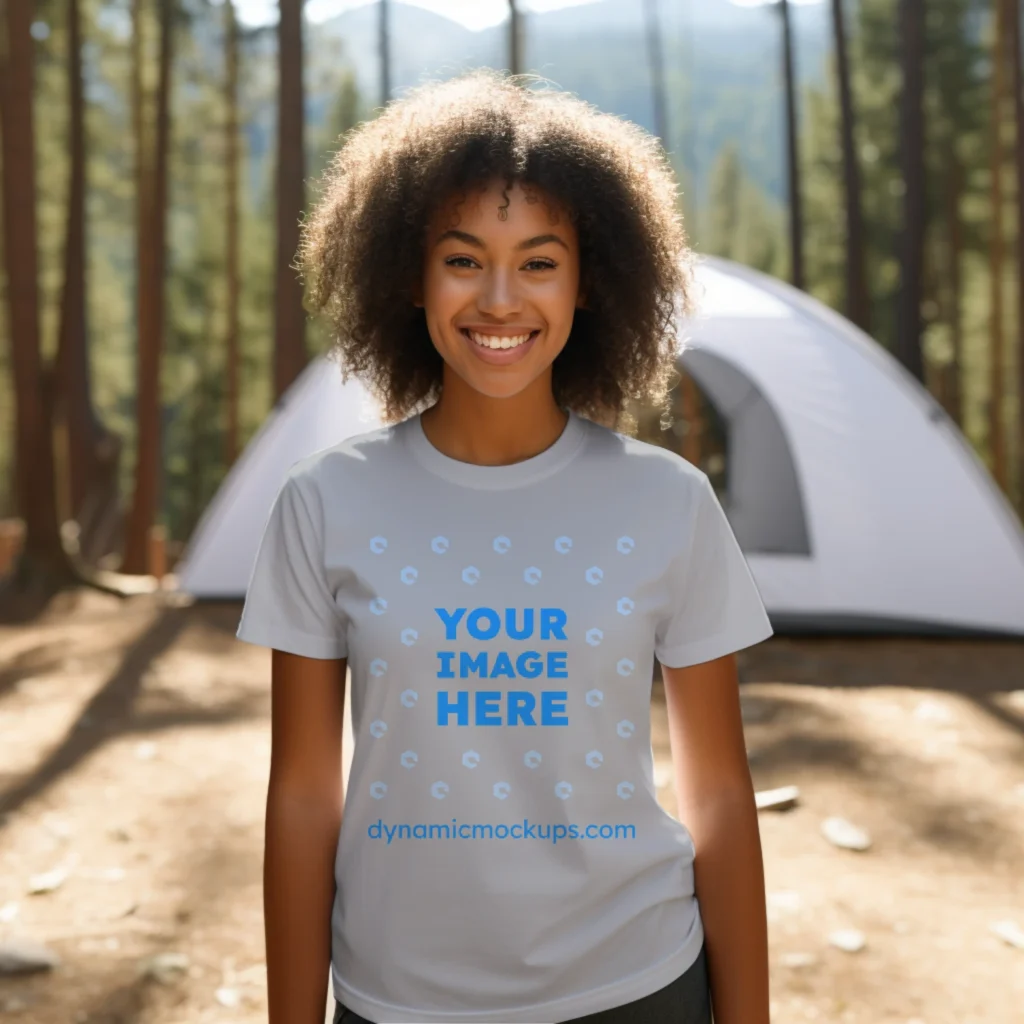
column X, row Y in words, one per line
column 529, row 243
column 532, row 243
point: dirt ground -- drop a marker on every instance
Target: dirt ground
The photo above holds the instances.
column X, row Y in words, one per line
column 134, row 750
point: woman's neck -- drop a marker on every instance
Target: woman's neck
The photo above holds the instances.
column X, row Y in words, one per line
column 471, row 427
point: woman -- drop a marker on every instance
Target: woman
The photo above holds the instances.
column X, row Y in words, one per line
column 498, row 572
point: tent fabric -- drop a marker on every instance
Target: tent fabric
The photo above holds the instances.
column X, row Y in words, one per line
column 317, row 411
column 857, row 502
column 906, row 528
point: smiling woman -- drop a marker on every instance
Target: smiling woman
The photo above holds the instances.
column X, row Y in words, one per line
column 528, row 209
column 502, row 266
column 504, row 287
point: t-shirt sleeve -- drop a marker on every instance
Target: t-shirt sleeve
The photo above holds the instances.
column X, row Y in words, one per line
column 289, row 605
column 714, row 606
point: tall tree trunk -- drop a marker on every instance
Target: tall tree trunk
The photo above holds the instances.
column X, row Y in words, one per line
column 515, row 38
column 858, row 302
column 997, row 384
column 657, row 71
column 91, row 452
column 151, row 317
column 384, row 49
column 693, row 439
column 912, row 163
column 198, row 453
column 43, row 560
column 290, row 318
column 796, row 216
column 1016, row 61
column 232, row 247
column 954, row 311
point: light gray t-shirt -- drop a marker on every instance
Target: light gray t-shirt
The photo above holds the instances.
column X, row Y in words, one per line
column 503, row 856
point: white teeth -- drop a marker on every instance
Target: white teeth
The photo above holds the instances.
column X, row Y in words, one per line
column 490, row 341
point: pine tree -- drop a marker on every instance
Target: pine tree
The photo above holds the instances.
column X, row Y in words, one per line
column 289, row 315
column 44, row 564
column 152, row 263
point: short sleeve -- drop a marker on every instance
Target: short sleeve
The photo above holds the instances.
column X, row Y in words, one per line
column 289, row 605
column 714, row 606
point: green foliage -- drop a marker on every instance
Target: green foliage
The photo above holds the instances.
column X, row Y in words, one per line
column 193, row 369
column 957, row 112
column 725, row 112
column 743, row 223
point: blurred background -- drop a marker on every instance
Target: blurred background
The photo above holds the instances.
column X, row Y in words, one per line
column 163, row 341
column 156, row 157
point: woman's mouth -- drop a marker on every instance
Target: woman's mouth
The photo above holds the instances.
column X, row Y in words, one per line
column 496, row 342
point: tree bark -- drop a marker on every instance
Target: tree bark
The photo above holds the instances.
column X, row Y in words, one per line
column 796, row 216
column 91, row 452
column 231, row 443
column 657, row 71
column 954, row 311
column 997, row 384
column 290, row 320
column 693, row 438
column 151, row 317
column 384, row 50
column 912, row 162
column 1016, row 60
column 858, row 301
column 43, row 563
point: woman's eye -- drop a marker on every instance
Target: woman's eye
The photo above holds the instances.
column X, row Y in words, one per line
column 467, row 261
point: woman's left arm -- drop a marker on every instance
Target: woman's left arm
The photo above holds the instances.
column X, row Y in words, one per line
column 716, row 803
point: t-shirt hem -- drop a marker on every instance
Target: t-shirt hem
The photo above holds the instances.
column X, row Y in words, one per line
column 291, row 641
column 717, row 646
column 636, row 986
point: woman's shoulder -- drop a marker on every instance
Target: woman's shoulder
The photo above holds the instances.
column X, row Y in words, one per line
column 356, row 461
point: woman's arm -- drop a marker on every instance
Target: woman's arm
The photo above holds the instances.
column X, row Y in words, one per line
column 716, row 803
column 304, row 805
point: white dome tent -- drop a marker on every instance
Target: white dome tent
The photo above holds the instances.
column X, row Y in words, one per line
column 857, row 502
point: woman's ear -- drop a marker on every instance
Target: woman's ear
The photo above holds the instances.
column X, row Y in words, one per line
column 581, row 300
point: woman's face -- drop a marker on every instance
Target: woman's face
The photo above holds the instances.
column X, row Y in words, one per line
column 501, row 282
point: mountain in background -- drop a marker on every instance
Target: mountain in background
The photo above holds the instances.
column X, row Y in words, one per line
column 721, row 62
column 722, row 69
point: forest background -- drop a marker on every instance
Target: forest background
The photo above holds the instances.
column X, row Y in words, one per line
column 722, row 123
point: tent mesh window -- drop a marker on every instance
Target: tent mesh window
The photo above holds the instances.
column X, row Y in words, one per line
column 690, row 426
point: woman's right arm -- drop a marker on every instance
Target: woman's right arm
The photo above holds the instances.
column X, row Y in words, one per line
column 304, row 808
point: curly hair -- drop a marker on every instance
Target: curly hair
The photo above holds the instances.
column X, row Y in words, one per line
column 362, row 245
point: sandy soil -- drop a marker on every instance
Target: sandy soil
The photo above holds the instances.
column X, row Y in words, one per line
column 134, row 749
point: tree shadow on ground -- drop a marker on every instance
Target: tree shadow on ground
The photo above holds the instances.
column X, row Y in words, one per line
column 960, row 666
column 222, row 616
column 112, row 712
column 977, row 670
column 35, row 661
column 793, row 736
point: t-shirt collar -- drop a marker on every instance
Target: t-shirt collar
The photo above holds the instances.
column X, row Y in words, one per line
column 518, row 474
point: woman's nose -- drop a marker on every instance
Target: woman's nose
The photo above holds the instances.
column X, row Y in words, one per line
column 498, row 294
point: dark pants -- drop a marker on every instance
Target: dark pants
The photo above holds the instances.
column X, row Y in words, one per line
column 687, row 1000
